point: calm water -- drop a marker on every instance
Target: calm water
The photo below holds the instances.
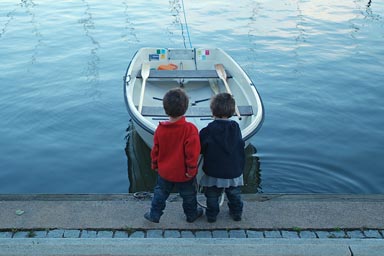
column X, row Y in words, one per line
column 318, row 66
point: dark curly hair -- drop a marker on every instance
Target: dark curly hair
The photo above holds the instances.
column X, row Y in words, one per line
column 175, row 102
column 223, row 105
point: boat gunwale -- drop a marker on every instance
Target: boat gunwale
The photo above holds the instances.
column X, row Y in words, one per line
column 138, row 118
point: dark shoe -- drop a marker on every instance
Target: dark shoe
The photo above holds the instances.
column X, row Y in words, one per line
column 211, row 220
column 148, row 217
column 234, row 216
column 199, row 213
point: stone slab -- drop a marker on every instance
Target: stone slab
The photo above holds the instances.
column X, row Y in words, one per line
column 261, row 212
column 186, row 247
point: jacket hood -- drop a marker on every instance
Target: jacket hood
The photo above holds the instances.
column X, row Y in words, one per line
column 226, row 134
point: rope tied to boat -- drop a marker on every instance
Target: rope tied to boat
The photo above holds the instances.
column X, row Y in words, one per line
column 186, row 26
column 142, row 195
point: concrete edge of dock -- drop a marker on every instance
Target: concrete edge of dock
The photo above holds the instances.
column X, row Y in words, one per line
column 349, row 224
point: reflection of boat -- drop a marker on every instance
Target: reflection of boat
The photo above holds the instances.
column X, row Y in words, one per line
column 142, row 178
column 196, row 71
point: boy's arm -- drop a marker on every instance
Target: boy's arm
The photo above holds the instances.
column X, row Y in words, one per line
column 192, row 153
column 202, row 136
column 154, row 152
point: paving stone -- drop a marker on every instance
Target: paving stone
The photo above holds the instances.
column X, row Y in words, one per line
column 306, row 234
column 237, row 234
column 323, row 234
column 220, row 234
column 203, row 234
column 155, row 233
column 5, row 234
column 40, row 234
column 272, row 234
column 338, row 234
column 88, row 234
column 105, row 234
column 172, row 234
column 20, row 234
column 71, row 233
column 255, row 234
column 355, row 234
column 187, row 234
column 137, row 234
column 372, row 234
column 289, row 234
column 120, row 234
column 57, row 233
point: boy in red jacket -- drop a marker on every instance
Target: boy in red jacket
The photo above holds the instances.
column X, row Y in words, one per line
column 175, row 154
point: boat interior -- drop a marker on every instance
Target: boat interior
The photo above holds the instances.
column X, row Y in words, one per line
column 194, row 71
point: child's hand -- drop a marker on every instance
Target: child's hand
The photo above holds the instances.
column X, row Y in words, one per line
column 191, row 172
column 188, row 175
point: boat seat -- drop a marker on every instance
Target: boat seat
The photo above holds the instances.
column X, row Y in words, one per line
column 183, row 74
column 192, row 111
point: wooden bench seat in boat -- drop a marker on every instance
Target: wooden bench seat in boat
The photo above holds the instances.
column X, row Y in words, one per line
column 192, row 111
column 183, row 74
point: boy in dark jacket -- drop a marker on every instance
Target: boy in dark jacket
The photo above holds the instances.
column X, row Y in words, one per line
column 222, row 147
column 175, row 153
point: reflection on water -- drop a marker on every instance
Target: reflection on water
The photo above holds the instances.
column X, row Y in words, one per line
column 252, row 177
column 129, row 34
column 29, row 6
column 368, row 13
column 300, row 40
column 143, row 178
column 10, row 17
column 315, row 63
column 92, row 69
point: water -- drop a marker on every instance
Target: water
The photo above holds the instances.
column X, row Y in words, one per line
column 318, row 66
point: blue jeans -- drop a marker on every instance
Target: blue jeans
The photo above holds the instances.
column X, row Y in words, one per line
column 235, row 203
column 163, row 188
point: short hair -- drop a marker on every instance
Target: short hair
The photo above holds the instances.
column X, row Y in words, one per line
column 223, row 105
column 175, row 102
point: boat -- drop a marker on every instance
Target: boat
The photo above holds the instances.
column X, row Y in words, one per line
column 202, row 73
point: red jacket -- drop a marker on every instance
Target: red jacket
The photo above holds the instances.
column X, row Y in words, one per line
column 176, row 150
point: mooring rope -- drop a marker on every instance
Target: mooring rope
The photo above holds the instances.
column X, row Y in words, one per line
column 186, row 24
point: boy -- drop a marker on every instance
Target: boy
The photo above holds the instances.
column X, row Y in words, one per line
column 222, row 147
column 175, row 153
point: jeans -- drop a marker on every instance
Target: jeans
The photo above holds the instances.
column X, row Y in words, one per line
column 235, row 203
column 163, row 188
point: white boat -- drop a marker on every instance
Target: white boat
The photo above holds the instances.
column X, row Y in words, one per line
column 201, row 72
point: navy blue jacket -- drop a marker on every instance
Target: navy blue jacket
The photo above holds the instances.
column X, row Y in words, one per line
column 222, row 147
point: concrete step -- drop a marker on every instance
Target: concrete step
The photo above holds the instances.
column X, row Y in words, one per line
column 186, row 247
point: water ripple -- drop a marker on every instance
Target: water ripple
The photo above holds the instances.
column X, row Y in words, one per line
column 295, row 174
column 92, row 68
column 10, row 17
column 30, row 6
column 129, row 34
column 317, row 65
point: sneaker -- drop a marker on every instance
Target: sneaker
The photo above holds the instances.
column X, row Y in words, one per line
column 235, row 217
column 148, row 217
column 198, row 215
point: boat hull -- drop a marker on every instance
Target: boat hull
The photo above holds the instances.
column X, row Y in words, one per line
column 196, row 74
